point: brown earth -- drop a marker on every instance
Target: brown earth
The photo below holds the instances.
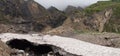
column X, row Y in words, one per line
column 4, row 49
column 104, row 39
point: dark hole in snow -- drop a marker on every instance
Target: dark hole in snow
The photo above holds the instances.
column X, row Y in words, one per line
column 33, row 49
column 29, row 47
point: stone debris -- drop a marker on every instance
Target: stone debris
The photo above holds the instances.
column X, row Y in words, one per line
column 16, row 52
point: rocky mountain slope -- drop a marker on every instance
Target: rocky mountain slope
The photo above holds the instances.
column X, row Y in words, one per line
column 58, row 17
column 112, row 14
column 25, row 16
column 21, row 15
column 102, row 16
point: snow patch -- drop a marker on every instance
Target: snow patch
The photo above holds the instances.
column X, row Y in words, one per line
column 70, row 45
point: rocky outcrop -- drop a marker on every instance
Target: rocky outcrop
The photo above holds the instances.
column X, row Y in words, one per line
column 113, row 24
column 83, row 22
column 23, row 15
column 58, row 17
column 28, row 16
column 4, row 49
column 72, row 10
column 107, row 10
column 98, row 20
column 76, row 16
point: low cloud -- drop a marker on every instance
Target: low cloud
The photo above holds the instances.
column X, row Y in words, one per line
column 62, row 4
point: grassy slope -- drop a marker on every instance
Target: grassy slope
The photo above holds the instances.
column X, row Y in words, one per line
column 114, row 22
column 97, row 7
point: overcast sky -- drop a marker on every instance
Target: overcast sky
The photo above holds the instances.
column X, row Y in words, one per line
column 62, row 4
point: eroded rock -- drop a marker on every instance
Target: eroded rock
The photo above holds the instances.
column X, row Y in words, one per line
column 4, row 49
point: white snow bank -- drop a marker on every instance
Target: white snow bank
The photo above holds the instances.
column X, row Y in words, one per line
column 70, row 45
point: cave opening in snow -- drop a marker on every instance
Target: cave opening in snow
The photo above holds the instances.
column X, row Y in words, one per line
column 27, row 46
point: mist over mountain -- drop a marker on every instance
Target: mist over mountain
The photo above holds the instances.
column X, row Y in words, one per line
column 62, row 4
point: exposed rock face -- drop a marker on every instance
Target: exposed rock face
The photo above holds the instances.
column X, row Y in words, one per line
column 24, row 16
column 58, row 17
column 98, row 20
column 76, row 16
column 72, row 9
column 27, row 15
column 113, row 24
column 4, row 49
column 94, row 22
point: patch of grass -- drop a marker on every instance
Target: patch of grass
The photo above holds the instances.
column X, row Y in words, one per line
column 3, row 19
column 102, row 5
column 114, row 23
column 78, row 31
column 112, row 26
column 81, row 31
column 115, row 0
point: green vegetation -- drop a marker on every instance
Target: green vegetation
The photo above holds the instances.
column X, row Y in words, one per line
column 114, row 23
column 79, row 31
column 115, row 0
column 1, row 16
column 102, row 5
column 2, row 19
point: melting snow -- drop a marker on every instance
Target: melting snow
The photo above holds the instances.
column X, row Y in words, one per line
column 70, row 45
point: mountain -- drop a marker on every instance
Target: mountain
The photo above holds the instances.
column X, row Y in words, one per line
column 102, row 16
column 22, row 16
column 25, row 16
column 58, row 17
column 112, row 11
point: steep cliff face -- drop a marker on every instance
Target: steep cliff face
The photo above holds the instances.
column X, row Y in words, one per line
column 58, row 17
column 98, row 20
column 23, row 16
column 77, row 16
column 27, row 9
column 101, row 17
column 112, row 15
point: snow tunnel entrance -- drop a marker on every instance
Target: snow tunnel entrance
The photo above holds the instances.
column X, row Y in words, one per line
column 31, row 48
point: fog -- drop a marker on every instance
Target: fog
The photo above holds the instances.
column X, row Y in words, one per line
column 62, row 4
